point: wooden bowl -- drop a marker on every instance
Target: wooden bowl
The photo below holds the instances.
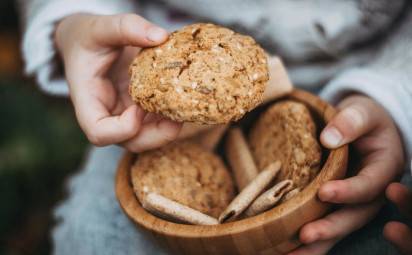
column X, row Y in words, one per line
column 272, row 232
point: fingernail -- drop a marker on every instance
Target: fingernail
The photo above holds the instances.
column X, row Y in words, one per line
column 156, row 34
column 332, row 137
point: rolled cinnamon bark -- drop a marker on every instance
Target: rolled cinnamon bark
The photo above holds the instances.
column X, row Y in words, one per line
column 240, row 158
column 171, row 210
column 270, row 198
column 250, row 192
column 290, row 194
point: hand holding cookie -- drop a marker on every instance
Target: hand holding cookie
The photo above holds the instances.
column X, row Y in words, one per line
column 96, row 52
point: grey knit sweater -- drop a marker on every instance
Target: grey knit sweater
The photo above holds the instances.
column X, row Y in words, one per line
column 354, row 45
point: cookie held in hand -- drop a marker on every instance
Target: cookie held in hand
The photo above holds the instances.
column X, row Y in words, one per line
column 286, row 131
column 186, row 173
column 203, row 73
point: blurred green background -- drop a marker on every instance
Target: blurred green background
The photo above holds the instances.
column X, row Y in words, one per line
column 40, row 145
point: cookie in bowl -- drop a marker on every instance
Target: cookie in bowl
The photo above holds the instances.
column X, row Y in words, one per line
column 186, row 173
column 203, row 73
column 287, row 132
column 270, row 232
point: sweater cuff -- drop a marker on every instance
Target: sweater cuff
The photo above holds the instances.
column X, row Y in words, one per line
column 391, row 93
column 38, row 48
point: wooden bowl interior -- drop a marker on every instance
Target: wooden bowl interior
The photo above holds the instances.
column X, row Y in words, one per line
column 264, row 230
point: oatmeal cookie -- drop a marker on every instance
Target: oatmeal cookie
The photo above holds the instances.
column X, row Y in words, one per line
column 203, row 73
column 186, row 173
column 286, row 131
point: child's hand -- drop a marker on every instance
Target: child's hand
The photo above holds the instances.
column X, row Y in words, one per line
column 96, row 60
column 398, row 233
column 374, row 135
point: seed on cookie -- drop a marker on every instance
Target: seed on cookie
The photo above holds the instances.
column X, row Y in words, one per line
column 204, row 90
column 179, row 90
column 174, row 64
column 158, row 51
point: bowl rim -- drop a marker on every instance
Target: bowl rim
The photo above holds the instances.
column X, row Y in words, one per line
column 329, row 171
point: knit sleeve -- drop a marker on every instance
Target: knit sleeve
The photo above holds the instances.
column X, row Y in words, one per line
column 387, row 79
column 39, row 18
column 300, row 30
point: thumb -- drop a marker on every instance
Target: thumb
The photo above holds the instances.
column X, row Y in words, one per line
column 358, row 116
column 127, row 30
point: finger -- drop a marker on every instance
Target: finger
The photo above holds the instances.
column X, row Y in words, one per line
column 339, row 223
column 317, row 248
column 113, row 129
column 365, row 186
column 100, row 126
column 353, row 121
column 153, row 135
column 127, row 29
column 119, row 76
column 399, row 235
column 401, row 196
